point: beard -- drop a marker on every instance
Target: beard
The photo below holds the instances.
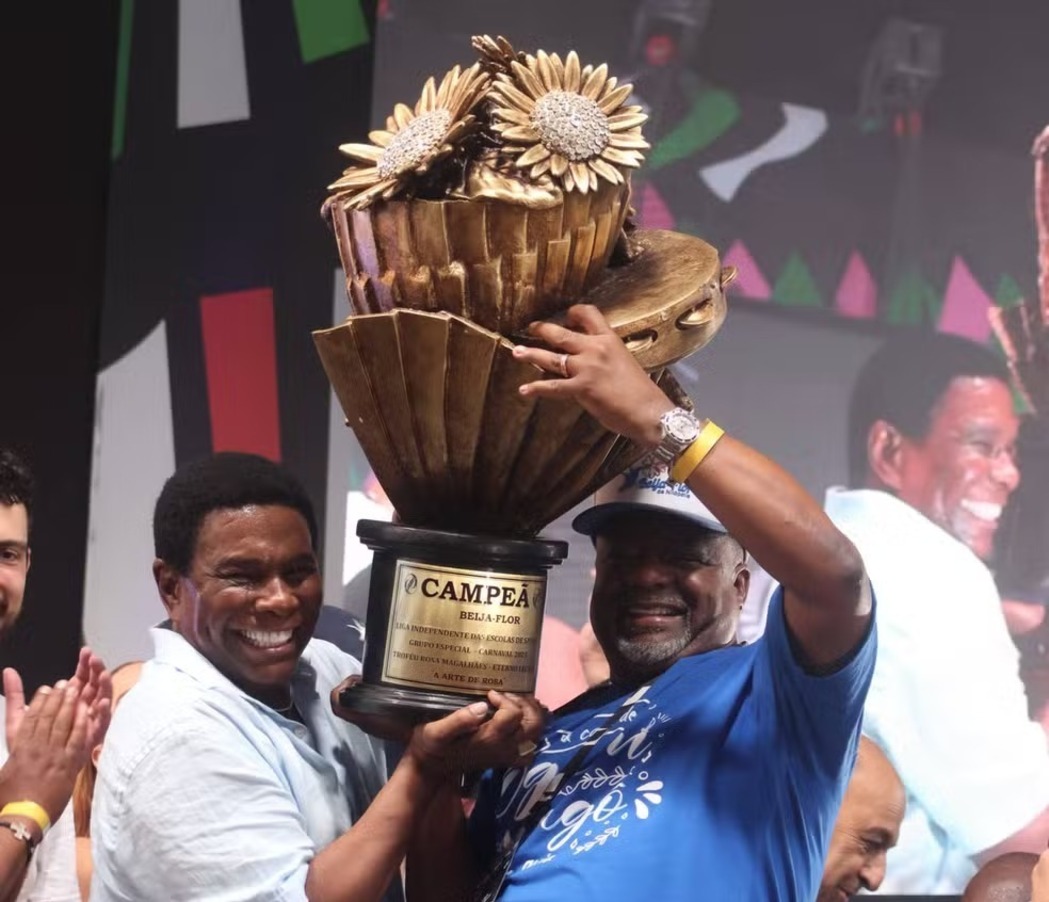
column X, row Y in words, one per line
column 648, row 652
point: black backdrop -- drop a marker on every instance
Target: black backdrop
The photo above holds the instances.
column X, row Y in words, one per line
column 57, row 68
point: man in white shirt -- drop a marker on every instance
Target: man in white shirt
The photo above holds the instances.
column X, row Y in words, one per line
column 932, row 432
column 226, row 774
column 42, row 770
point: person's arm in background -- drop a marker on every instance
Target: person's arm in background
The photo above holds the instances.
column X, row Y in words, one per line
column 1041, row 213
column 49, row 741
column 827, row 596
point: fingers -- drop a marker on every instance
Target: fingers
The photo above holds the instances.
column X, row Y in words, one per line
column 95, row 672
column 65, row 712
column 83, row 667
column 506, row 722
column 99, row 715
column 457, row 724
column 14, row 693
column 36, row 725
column 587, row 318
column 553, row 362
column 78, row 742
column 533, row 718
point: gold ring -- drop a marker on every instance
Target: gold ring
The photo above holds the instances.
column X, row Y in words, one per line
column 562, row 365
column 524, row 749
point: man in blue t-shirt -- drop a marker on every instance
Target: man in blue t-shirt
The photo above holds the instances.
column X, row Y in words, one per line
column 704, row 768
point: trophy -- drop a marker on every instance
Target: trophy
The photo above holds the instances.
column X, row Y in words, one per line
column 501, row 198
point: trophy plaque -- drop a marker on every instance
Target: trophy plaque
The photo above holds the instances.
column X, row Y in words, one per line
column 500, row 199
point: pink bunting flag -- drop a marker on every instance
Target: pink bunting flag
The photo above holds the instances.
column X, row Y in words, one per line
column 653, row 212
column 965, row 305
column 751, row 282
column 857, row 294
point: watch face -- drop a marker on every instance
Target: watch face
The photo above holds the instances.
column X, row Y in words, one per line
column 680, row 426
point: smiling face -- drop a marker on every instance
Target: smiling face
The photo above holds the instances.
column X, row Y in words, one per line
column 14, row 562
column 250, row 598
column 664, row 589
column 961, row 473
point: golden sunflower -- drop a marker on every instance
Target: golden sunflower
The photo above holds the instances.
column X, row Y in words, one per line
column 496, row 53
column 568, row 121
column 413, row 140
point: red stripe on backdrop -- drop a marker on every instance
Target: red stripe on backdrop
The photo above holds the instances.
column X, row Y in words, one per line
column 240, row 359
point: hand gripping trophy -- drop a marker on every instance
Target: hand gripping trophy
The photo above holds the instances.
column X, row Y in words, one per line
column 501, row 198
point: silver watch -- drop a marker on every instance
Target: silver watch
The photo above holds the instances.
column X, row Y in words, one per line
column 680, row 429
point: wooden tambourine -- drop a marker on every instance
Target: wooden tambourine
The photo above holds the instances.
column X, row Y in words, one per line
column 668, row 301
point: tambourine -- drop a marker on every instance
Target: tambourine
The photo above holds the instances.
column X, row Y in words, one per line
column 668, row 301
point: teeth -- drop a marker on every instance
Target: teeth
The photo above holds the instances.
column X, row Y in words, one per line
column 983, row 510
column 267, row 639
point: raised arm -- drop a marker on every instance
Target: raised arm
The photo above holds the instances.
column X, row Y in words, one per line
column 1041, row 213
column 827, row 598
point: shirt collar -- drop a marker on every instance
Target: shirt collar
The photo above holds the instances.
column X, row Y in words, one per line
column 172, row 649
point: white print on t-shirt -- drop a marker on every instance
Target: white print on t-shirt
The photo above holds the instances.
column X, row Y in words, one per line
column 614, row 785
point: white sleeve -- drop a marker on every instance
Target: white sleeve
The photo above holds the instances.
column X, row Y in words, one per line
column 226, row 828
column 55, row 860
column 947, row 703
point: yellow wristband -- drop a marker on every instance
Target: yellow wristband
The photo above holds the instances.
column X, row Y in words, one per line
column 693, row 455
column 28, row 809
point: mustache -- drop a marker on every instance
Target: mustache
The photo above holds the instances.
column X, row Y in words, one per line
column 654, row 598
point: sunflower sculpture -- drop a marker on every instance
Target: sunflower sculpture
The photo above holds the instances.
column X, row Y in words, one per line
column 496, row 53
column 560, row 118
column 413, row 140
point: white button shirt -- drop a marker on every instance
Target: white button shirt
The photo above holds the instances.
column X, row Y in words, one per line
column 205, row 793
column 946, row 703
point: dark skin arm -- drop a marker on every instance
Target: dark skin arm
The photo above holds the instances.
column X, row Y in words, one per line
column 827, row 598
column 362, row 862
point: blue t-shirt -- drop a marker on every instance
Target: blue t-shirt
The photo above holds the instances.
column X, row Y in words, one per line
column 722, row 782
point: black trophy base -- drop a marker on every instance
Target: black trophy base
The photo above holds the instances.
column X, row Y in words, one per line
column 450, row 616
column 401, row 707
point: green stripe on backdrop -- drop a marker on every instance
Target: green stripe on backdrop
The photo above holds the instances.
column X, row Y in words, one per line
column 713, row 113
column 127, row 9
column 328, row 27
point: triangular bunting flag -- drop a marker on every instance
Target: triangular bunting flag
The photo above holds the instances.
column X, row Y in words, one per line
column 965, row 305
column 653, row 212
column 751, row 282
column 795, row 286
column 857, row 295
column 913, row 302
column 1008, row 291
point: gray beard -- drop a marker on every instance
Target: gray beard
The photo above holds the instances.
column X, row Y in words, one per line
column 646, row 653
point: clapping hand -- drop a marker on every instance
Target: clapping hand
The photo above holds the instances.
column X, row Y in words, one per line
column 51, row 739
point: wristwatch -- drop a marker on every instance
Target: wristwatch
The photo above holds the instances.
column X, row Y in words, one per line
column 680, row 429
column 21, row 832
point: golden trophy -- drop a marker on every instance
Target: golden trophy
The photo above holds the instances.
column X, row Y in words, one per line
column 501, row 198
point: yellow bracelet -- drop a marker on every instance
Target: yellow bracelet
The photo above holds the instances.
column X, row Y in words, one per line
column 693, row 455
column 28, row 809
